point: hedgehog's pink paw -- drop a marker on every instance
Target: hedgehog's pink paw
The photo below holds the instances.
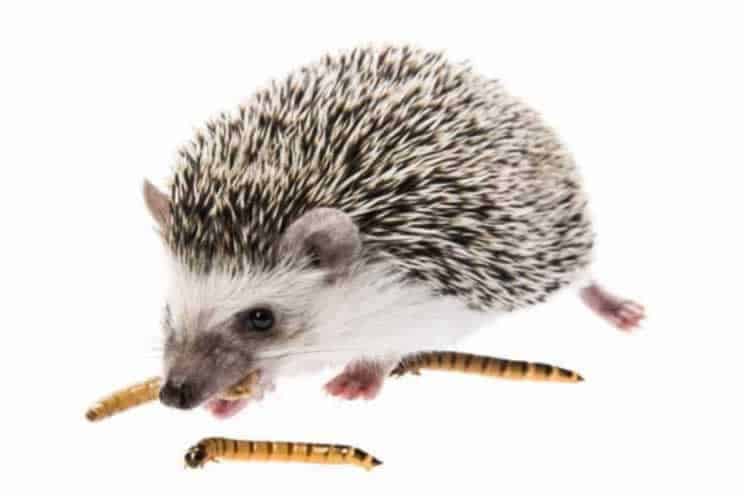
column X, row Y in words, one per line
column 623, row 314
column 629, row 315
column 358, row 380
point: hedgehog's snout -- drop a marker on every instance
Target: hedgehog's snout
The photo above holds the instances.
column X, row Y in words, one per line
column 179, row 395
column 200, row 367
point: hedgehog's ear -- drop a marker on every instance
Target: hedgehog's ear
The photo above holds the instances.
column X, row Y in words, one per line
column 158, row 204
column 327, row 234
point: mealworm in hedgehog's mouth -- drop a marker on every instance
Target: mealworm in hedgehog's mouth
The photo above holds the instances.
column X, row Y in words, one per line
column 235, row 398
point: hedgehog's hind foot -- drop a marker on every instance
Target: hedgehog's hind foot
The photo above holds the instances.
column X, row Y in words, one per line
column 623, row 314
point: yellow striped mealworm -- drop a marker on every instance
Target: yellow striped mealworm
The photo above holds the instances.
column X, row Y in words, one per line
column 484, row 365
column 215, row 448
column 147, row 391
column 243, row 389
column 124, row 399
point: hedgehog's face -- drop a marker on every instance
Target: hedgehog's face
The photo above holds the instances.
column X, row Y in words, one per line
column 221, row 327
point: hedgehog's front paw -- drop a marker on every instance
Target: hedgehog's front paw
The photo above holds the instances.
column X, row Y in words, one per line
column 362, row 379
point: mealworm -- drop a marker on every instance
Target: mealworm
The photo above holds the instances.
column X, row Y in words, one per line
column 243, row 389
column 147, row 391
column 214, row 448
column 124, row 399
column 484, row 365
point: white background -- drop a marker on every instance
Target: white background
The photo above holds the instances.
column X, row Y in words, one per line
column 93, row 98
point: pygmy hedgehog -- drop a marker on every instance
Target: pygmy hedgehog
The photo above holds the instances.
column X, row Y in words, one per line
column 374, row 203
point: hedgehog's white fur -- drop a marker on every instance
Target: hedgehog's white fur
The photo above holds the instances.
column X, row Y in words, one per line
column 370, row 315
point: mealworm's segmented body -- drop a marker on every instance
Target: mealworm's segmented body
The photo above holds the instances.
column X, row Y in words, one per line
column 124, row 399
column 144, row 392
column 484, row 365
column 214, row 448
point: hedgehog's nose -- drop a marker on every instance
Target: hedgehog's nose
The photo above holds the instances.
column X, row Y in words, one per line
column 178, row 395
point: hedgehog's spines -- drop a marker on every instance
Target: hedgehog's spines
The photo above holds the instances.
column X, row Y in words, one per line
column 456, row 183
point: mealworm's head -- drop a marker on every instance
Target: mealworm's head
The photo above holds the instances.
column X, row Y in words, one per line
column 94, row 413
column 196, row 456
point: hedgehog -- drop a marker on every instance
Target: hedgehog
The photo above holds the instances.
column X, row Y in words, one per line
column 374, row 203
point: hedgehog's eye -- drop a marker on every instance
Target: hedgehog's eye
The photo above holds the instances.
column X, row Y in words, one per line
column 257, row 319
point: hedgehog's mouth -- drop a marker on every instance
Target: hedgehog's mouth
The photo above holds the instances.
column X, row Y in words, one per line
column 234, row 399
column 222, row 408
